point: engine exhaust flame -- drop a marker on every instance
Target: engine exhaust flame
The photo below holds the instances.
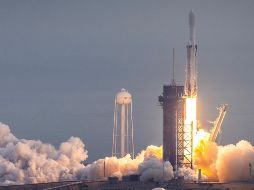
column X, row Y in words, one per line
column 190, row 126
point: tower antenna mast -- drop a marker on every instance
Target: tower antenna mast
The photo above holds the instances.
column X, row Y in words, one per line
column 173, row 83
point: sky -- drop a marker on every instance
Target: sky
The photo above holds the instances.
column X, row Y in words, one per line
column 62, row 62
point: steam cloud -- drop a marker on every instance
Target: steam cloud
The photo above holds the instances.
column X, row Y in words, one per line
column 31, row 161
column 228, row 163
column 147, row 163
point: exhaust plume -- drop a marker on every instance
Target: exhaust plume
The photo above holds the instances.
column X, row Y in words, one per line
column 148, row 164
column 233, row 162
column 228, row 163
column 31, row 161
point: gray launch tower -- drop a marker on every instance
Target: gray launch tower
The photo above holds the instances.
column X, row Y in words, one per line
column 172, row 103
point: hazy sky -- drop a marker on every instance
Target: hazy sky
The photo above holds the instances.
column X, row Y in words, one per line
column 62, row 62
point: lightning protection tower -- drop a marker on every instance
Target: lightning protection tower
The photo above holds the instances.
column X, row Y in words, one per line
column 123, row 143
column 172, row 103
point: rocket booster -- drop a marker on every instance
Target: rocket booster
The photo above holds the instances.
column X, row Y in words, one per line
column 191, row 63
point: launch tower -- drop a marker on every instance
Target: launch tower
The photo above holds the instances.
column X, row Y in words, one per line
column 172, row 103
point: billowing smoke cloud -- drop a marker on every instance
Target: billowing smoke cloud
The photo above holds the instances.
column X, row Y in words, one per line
column 226, row 163
column 110, row 166
column 148, row 164
column 31, row 161
column 189, row 174
column 152, row 168
column 233, row 162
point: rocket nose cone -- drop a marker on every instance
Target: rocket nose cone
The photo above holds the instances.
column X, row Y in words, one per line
column 191, row 19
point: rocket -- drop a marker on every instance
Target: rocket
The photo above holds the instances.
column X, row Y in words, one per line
column 191, row 62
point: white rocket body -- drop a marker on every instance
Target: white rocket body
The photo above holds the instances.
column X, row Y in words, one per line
column 191, row 64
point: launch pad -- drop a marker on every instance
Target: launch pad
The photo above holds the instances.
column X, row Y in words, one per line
column 135, row 185
column 179, row 103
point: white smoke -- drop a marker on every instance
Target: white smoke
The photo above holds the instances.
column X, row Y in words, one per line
column 189, row 174
column 154, row 169
column 110, row 167
column 228, row 163
column 234, row 162
column 147, row 164
column 31, row 161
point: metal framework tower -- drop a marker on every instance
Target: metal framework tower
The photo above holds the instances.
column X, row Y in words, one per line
column 123, row 142
column 187, row 146
column 177, row 135
column 180, row 133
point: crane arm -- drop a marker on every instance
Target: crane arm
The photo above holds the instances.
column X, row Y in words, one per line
column 218, row 122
